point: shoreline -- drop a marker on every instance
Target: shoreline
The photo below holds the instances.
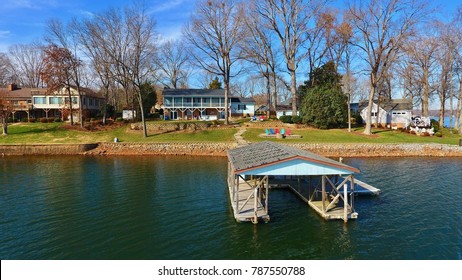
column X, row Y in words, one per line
column 220, row 149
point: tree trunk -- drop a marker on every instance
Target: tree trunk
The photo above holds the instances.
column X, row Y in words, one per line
column 275, row 93
column 70, row 105
column 293, row 90
column 143, row 121
column 268, row 94
column 5, row 125
column 458, row 123
column 368, row 130
column 425, row 94
column 226, row 82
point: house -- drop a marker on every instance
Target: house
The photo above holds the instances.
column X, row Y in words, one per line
column 20, row 100
column 242, row 106
column 57, row 104
column 285, row 109
column 393, row 113
column 39, row 103
column 205, row 104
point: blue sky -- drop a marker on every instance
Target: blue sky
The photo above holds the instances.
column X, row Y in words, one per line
column 24, row 21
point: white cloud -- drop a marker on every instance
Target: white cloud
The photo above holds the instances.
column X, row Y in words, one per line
column 165, row 6
column 4, row 33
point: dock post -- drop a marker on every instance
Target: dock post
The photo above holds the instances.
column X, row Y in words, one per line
column 237, row 194
column 266, row 194
column 255, row 205
column 323, row 195
column 345, row 203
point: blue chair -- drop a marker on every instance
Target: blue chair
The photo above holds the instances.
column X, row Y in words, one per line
column 272, row 131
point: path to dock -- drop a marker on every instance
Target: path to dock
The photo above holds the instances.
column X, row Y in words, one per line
column 239, row 139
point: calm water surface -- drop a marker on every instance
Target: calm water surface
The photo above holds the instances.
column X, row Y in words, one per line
column 178, row 208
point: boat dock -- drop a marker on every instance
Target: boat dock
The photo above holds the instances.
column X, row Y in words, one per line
column 246, row 203
column 321, row 182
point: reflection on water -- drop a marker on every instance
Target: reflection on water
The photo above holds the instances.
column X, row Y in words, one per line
column 178, row 208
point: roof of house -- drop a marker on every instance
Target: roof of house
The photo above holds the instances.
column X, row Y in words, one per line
column 268, row 153
column 243, row 99
column 194, row 92
column 19, row 93
column 390, row 105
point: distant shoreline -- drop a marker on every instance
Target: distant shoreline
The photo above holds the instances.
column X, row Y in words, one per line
column 220, row 149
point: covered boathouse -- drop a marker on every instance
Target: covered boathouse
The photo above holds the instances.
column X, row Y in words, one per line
column 319, row 181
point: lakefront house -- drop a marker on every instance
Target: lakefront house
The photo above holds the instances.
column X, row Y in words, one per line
column 203, row 104
column 393, row 113
column 39, row 103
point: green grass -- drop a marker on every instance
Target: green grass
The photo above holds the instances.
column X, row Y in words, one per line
column 46, row 133
column 311, row 135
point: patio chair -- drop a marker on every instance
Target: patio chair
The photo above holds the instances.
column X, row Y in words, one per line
column 272, row 131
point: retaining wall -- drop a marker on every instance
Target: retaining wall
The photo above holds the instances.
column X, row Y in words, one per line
column 220, row 149
column 199, row 149
column 49, row 149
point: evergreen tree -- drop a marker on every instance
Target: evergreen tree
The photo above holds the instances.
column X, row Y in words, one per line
column 215, row 84
column 324, row 105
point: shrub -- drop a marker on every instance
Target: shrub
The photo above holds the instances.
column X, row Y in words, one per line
column 286, row 119
column 57, row 120
column 439, row 134
column 50, row 120
column 43, row 120
column 119, row 119
column 435, row 124
column 296, row 119
column 32, row 120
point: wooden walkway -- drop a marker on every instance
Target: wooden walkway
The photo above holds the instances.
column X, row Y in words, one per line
column 247, row 205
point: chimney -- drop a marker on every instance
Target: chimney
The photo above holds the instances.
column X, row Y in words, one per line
column 12, row 87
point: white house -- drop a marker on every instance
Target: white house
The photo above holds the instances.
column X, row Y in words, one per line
column 394, row 113
column 205, row 104
column 242, row 106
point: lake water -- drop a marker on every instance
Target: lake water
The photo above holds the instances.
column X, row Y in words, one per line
column 178, row 208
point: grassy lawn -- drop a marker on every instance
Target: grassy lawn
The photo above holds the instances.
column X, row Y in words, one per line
column 311, row 135
column 45, row 133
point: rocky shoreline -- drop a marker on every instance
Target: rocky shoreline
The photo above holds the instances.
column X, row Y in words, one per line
column 220, row 149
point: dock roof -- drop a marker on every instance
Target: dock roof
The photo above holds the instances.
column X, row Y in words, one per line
column 269, row 158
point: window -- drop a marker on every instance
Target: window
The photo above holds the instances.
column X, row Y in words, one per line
column 168, row 101
column 55, row 100
column 40, row 100
column 374, row 114
column 215, row 102
column 241, row 107
column 74, row 100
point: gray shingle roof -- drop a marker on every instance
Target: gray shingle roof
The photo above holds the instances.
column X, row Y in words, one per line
column 194, row 92
column 268, row 153
column 389, row 105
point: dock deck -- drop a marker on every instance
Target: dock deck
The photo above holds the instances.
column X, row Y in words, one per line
column 246, row 205
column 363, row 188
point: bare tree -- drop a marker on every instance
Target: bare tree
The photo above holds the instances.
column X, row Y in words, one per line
column 64, row 37
column 215, row 32
column 57, row 72
column 290, row 20
column 382, row 25
column 259, row 50
column 422, row 51
column 5, row 70
column 91, row 34
column 172, row 63
column 141, row 52
column 27, row 62
column 6, row 109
